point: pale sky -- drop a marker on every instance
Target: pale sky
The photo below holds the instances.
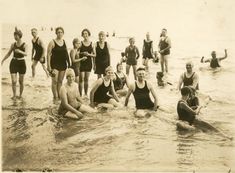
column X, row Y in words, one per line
column 194, row 17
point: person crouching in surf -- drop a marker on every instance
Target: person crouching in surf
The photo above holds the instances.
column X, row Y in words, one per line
column 141, row 90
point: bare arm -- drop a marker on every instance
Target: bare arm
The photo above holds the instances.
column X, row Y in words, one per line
column 93, row 90
column 8, row 53
column 51, row 45
column 154, row 96
column 225, row 55
column 195, row 80
column 187, row 108
column 43, row 48
column 205, row 61
column 138, row 54
column 32, row 52
column 180, row 81
column 130, row 90
column 127, row 81
column 25, row 52
column 143, row 49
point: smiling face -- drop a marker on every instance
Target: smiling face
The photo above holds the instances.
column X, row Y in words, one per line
column 16, row 37
column 189, row 67
column 132, row 41
column 213, row 54
column 70, row 78
column 85, row 35
column 119, row 68
column 34, row 33
column 141, row 75
column 109, row 73
column 102, row 36
column 163, row 32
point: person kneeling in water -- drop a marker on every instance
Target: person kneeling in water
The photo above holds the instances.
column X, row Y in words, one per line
column 214, row 61
column 141, row 90
column 99, row 92
column 71, row 103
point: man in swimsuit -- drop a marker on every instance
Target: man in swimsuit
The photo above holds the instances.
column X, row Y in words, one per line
column 71, row 103
column 164, row 50
column 189, row 78
column 141, row 90
column 214, row 61
column 38, row 52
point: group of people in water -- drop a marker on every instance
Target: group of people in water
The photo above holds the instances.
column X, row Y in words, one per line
column 77, row 64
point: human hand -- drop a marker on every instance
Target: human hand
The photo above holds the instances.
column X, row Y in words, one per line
column 17, row 51
column 155, row 108
column 202, row 59
column 225, row 50
column 84, row 58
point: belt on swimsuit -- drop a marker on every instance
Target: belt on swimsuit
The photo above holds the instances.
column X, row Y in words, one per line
column 18, row 58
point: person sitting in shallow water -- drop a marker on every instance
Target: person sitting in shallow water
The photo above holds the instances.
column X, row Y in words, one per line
column 99, row 94
column 214, row 61
column 120, row 80
column 193, row 100
column 71, row 103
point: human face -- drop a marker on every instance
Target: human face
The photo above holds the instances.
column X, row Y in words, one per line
column 16, row 37
column 119, row 68
column 189, row 68
column 141, row 75
column 77, row 45
column 132, row 42
column 102, row 37
column 147, row 36
column 109, row 74
column 163, row 32
column 34, row 33
column 85, row 35
column 59, row 34
column 70, row 78
column 213, row 54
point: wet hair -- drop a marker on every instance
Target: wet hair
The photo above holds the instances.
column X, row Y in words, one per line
column 34, row 29
column 118, row 64
column 75, row 40
column 59, row 28
column 108, row 69
column 101, row 33
column 140, row 68
column 185, row 91
column 18, row 32
column 89, row 33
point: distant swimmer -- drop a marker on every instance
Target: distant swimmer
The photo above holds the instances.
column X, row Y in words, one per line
column 71, row 103
column 38, row 52
column 189, row 78
column 120, row 80
column 140, row 91
column 100, row 92
column 164, row 46
column 147, row 51
column 75, row 58
column 57, row 61
column 17, row 64
column 86, row 50
column 132, row 54
column 102, row 59
column 214, row 61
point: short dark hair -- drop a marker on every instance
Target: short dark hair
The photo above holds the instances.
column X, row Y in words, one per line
column 59, row 28
column 87, row 30
column 140, row 68
column 118, row 64
column 185, row 91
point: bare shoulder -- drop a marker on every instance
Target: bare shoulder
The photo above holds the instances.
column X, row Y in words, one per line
column 149, row 84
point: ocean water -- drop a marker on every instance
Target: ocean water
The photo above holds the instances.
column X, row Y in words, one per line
column 35, row 137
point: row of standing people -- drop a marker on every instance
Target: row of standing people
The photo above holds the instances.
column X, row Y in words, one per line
column 82, row 56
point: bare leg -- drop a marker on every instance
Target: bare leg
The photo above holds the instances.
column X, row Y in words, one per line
column 162, row 62
column 13, row 81
column 134, row 71
column 166, row 62
column 114, row 103
column 121, row 92
column 54, row 85
column 45, row 69
column 127, row 69
column 87, row 109
column 21, row 82
column 86, row 82
column 60, row 81
column 73, row 115
column 81, row 82
column 34, row 68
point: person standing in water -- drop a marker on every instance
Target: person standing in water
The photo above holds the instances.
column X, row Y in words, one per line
column 71, row 103
column 120, row 80
column 102, row 59
column 86, row 50
column 74, row 57
column 132, row 55
column 101, row 88
column 17, row 64
column 189, row 78
column 164, row 50
column 57, row 61
column 214, row 61
column 141, row 90
column 147, row 51
column 38, row 52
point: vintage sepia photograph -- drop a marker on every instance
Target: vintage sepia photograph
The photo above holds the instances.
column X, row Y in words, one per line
column 117, row 85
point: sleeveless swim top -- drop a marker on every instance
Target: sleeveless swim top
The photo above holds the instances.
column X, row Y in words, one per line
column 214, row 63
column 183, row 114
column 163, row 44
column 189, row 81
column 147, row 49
column 119, row 82
column 38, row 48
column 100, row 96
column 18, row 55
column 102, row 55
column 142, row 98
